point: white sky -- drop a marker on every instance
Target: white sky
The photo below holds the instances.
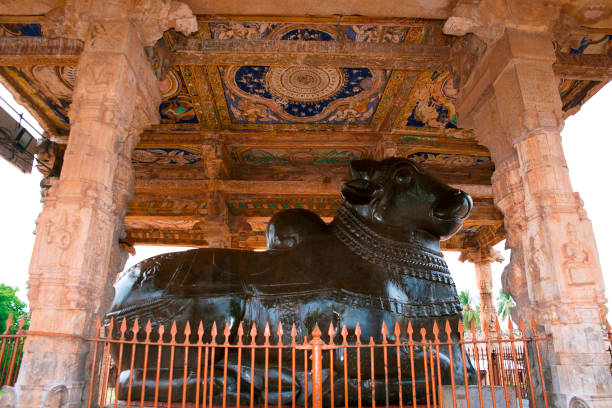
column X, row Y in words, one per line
column 587, row 140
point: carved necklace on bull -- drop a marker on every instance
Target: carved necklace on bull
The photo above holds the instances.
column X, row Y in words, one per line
column 407, row 257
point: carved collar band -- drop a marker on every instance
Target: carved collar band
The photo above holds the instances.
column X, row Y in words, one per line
column 380, row 250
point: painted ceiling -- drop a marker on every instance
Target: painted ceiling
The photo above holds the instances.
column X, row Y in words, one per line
column 261, row 111
column 311, row 98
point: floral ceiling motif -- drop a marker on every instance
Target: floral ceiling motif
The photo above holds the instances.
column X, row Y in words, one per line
column 253, row 206
column 291, row 156
column 165, row 156
column 447, row 160
column 234, row 30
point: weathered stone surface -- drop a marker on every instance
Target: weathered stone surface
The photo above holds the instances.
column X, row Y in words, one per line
column 76, row 253
column 512, row 102
column 461, row 400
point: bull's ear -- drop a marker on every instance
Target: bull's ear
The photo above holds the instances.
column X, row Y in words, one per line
column 359, row 191
column 362, row 169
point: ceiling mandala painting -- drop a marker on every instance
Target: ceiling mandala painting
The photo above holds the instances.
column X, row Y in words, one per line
column 302, row 94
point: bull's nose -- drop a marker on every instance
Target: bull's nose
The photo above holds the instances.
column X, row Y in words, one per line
column 456, row 204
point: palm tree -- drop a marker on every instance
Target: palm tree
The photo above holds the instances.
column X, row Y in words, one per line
column 505, row 303
column 469, row 312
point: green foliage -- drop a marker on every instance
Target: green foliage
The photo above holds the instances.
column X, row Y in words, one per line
column 470, row 312
column 505, row 303
column 10, row 303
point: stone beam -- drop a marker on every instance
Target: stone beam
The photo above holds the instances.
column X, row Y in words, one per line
column 487, row 216
column 294, row 139
column 494, row 231
column 170, row 237
column 339, row 54
column 18, row 51
column 48, row 51
column 583, row 66
column 266, row 187
column 190, row 187
column 190, row 230
column 15, row 51
column 277, row 138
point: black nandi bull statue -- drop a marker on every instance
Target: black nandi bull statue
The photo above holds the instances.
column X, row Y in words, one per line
column 378, row 261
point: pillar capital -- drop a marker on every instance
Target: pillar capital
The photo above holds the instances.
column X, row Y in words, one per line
column 151, row 18
column 511, row 90
column 484, row 254
column 488, row 18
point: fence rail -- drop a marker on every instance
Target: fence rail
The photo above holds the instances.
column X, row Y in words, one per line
column 177, row 366
column 136, row 366
column 11, row 351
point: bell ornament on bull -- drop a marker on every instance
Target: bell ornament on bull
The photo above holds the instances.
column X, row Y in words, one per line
column 378, row 261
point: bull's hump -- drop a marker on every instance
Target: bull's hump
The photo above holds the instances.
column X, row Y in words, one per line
column 214, row 272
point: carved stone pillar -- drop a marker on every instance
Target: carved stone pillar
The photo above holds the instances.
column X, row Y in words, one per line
column 512, row 101
column 482, row 259
column 76, row 254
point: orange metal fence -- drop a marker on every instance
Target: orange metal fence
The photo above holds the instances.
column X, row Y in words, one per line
column 244, row 371
column 507, row 359
column 11, row 351
column 224, row 373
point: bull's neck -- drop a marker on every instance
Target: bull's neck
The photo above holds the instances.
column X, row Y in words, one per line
column 414, row 250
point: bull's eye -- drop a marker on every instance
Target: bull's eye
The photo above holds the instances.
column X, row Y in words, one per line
column 403, row 176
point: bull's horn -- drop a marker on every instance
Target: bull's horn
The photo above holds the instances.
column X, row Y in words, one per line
column 361, row 169
column 359, row 192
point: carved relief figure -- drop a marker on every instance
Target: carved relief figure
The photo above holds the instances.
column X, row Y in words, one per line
column 378, row 261
column 240, row 31
column 538, row 258
column 577, row 264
